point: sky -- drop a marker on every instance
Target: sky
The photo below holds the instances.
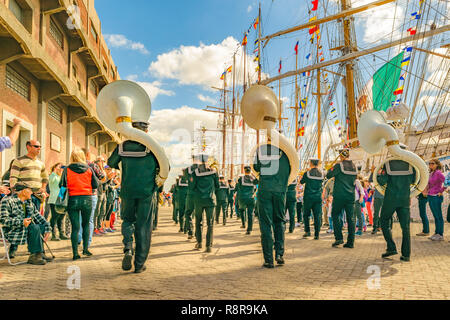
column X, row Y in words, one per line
column 177, row 50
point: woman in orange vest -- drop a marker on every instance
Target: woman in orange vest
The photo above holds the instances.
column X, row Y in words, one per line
column 80, row 181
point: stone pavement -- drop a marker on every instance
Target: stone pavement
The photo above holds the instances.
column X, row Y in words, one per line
column 233, row 270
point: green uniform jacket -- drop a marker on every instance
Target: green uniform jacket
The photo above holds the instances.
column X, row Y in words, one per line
column 291, row 195
column 274, row 168
column 222, row 192
column 245, row 187
column 187, row 175
column 231, row 192
column 138, row 173
column 398, row 175
column 313, row 181
column 205, row 185
column 344, row 175
column 181, row 190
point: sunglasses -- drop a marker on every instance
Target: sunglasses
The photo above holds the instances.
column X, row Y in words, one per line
column 37, row 147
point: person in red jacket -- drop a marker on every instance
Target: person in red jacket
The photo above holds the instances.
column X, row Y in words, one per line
column 80, row 181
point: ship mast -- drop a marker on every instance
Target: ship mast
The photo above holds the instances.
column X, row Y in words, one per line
column 233, row 117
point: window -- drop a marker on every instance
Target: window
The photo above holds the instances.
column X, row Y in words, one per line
column 105, row 66
column 79, row 85
column 113, row 74
column 56, row 33
column 93, row 87
column 55, row 111
column 17, row 83
column 16, row 9
column 74, row 72
column 94, row 33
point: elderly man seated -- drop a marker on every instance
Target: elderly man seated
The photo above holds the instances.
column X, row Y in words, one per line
column 23, row 224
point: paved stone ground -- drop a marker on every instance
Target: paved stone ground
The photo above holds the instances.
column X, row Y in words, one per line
column 233, row 270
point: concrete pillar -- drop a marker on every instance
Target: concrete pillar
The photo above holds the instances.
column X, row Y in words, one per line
column 42, row 128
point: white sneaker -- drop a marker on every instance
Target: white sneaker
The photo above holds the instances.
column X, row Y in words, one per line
column 329, row 231
column 297, row 224
column 437, row 237
column 433, row 237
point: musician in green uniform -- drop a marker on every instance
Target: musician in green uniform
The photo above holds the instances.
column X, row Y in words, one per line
column 313, row 181
column 398, row 176
column 231, row 193
column 245, row 189
column 222, row 200
column 273, row 167
column 344, row 174
column 189, row 206
column 173, row 191
column 155, row 220
column 138, row 197
column 205, row 185
column 181, row 191
column 291, row 203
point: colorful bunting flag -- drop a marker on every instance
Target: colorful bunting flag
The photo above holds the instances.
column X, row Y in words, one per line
column 322, row 59
column 256, row 41
column 315, row 4
column 308, row 57
column 296, row 48
column 256, row 58
column 416, row 15
column 244, row 41
column 405, row 62
column 223, row 75
column 241, row 122
column 314, row 28
column 402, row 77
column 336, row 122
column 279, row 69
column 255, row 25
column 408, row 49
column 398, row 91
column 412, row 31
column 256, row 50
column 301, row 132
column 303, row 103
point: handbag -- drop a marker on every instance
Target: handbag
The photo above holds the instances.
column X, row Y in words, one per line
column 62, row 201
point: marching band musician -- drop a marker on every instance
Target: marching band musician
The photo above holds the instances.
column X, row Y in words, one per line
column 189, row 206
column 396, row 175
column 222, row 200
column 181, row 191
column 274, row 169
column 344, row 174
column 313, row 181
column 139, row 197
column 245, row 190
column 291, row 203
column 173, row 191
column 231, row 192
column 205, row 185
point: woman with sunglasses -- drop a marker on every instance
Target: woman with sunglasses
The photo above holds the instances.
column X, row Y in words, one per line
column 435, row 198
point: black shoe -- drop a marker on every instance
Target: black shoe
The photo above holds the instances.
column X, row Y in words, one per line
column 190, row 237
column 140, row 270
column 12, row 253
column 248, row 232
column 76, row 257
column 126, row 262
column 403, row 258
column 374, row 231
column 87, row 253
column 198, row 246
column 224, row 223
column 180, row 230
column 280, row 260
column 337, row 243
column 36, row 259
column 389, row 253
column 316, row 237
column 47, row 258
column 208, row 249
column 306, row 235
column 243, row 226
column 291, row 231
column 268, row 265
column 348, row 245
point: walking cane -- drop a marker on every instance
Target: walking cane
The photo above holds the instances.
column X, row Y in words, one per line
column 45, row 242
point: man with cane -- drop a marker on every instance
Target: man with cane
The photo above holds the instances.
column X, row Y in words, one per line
column 24, row 225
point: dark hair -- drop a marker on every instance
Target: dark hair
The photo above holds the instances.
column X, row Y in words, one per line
column 438, row 164
column 315, row 162
column 28, row 144
column 54, row 166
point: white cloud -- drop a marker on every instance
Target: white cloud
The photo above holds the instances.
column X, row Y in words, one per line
column 206, row 98
column 121, row 41
column 201, row 65
column 153, row 89
column 249, row 8
column 132, row 77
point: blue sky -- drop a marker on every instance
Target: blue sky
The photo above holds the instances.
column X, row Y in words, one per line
column 177, row 50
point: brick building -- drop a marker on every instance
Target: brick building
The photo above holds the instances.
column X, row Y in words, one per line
column 52, row 67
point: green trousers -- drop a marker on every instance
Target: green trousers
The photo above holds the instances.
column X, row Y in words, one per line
column 201, row 207
column 231, row 206
column 181, row 204
column 316, row 207
column 174, row 212
column 337, row 207
column 403, row 214
column 290, row 207
column 221, row 206
column 137, row 215
column 272, row 223
column 246, row 208
column 188, row 210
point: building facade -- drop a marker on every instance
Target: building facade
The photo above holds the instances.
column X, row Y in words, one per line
column 53, row 63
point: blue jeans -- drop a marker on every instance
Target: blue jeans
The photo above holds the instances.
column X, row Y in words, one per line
column 435, row 203
column 91, row 222
column 423, row 213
